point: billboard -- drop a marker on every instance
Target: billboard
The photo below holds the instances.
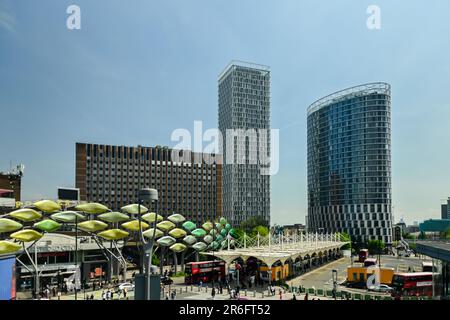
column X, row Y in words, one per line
column 8, row 278
column 72, row 194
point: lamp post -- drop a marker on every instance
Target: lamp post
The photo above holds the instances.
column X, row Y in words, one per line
column 150, row 195
column 334, row 278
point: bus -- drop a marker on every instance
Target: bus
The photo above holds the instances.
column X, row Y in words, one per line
column 427, row 266
column 413, row 284
column 204, row 271
column 362, row 255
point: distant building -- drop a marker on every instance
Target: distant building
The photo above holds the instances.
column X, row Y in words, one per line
column 10, row 187
column 445, row 210
column 412, row 229
column 397, row 232
column 292, row 229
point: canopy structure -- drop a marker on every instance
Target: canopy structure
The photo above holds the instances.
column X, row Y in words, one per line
column 282, row 248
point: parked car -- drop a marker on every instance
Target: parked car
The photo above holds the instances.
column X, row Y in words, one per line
column 380, row 288
column 126, row 285
column 357, row 285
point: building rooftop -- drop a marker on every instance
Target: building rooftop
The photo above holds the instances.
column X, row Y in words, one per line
column 356, row 91
column 249, row 65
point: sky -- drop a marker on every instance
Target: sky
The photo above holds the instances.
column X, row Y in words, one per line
column 135, row 72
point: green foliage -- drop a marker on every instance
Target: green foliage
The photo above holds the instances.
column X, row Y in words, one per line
column 375, row 246
column 262, row 230
column 155, row 260
column 407, row 235
column 179, row 274
column 251, row 223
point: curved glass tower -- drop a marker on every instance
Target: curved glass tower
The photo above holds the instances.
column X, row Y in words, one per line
column 349, row 163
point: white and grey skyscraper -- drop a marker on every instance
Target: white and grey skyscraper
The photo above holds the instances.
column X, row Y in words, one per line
column 244, row 118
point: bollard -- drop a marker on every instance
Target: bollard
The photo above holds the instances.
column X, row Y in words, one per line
column 254, row 294
column 262, row 294
column 245, row 292
column 191, row 287
column 199, row 289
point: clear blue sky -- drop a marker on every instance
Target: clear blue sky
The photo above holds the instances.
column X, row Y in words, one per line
column 137, row 70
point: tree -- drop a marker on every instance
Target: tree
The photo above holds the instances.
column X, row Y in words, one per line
column 375, row 246
column 344, row 237
column 262, row 230
column 251, row 223
column 422, row 235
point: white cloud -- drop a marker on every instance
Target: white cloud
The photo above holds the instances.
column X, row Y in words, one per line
column 7, row 20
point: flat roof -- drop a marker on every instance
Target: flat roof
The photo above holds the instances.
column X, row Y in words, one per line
column 244, row 64
column 434, row 249
column 356, row 91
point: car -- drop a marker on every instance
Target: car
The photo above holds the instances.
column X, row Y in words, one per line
column 126, row 285
column 356, row 285
column 380, row 288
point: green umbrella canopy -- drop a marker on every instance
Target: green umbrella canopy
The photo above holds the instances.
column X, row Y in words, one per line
column 199, row 232
column 92, row 226
column 228, row 226
column 134, row 225
column 134, row 209
column 149, row 233
column 150, row 217
column 92, row 208
column 208, row 239
column 178, row 247
column 8, row 225
column 114, row 217
column 176, row 218
column 233, row 233
column 207, row 226
column 223, row 232
column 166, row 241
column 219, row 238
column 223, row 221
column 67, row 216
column 190, row 240
column 200, row 246
column 165, row 226
column 215, row 245
column 27, row 235
column 47, row 206
column 213, row 232
column 177, row 233
column 47, row 225
column 9, row 247
column 26, row 215
column 113, row 234
column 189, row 225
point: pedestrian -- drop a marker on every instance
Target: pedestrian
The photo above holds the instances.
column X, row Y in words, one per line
column 103, row 295
column 54, row 292
column 93, row 286
column 125, row 293
column 200, row 284
column 294, row 297
column 112, row 295
column 59, row 295
column 281, row 295
column 92, row 296
column 167, row 296
column 306, row 296
column 213, row 293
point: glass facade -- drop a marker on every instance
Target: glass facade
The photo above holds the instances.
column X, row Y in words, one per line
column 349, row 163
column 244, row 103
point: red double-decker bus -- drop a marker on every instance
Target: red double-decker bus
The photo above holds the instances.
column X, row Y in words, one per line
column 413, row 284
column 204, row 271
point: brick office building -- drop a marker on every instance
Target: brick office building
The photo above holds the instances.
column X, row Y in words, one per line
column 112, row 175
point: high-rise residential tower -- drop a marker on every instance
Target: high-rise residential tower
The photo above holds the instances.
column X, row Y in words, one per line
column 349, row 163
column 244, row 120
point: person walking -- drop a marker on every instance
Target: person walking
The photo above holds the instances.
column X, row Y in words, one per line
column 124, row 293
column 92, row 296
column 294, row 297
column 103, row 295
column 306, row 296
column 281, row 294
column 213, row 293
column 59, row 295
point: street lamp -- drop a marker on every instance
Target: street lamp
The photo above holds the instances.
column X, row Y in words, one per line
column 334, row 278
column 143, row 290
